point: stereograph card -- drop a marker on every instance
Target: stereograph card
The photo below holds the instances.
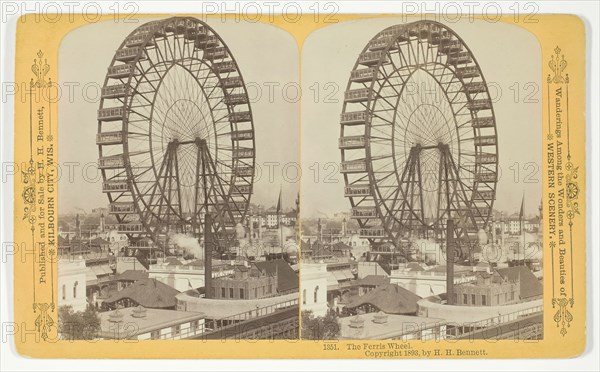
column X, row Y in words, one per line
column 352, row 186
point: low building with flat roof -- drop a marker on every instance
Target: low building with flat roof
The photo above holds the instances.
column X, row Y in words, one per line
column 218, row 309
column 381, row 326
column 139, row 323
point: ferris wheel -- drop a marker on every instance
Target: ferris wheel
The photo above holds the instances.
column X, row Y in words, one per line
column 418, row 137
column 175, row 134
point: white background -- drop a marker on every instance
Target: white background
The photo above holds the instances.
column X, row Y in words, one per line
column 588, row 361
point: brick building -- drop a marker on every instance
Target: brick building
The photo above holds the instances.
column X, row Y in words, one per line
column 488, row 290
column 259, row 280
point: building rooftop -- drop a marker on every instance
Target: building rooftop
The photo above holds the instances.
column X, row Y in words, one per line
column 129, row 263
column 99, row 241
column 340, row 246
column 131, row 326
column 172, row 261
column 457, row 269
column 389, row 298
column 394, row 326
column 287, row 279
column 219, row 309
column 200, row 263
column 374, row 280
column 132, row 275
column 316, row 249
column 414, row 266
column 150, row 293
column 531, row 287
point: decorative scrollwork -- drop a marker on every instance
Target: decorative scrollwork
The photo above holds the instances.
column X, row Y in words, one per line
column 572, row 190
column 29, row 192
column 40, row 69
column 563, row 316
column 44, row 322
column 557, row 64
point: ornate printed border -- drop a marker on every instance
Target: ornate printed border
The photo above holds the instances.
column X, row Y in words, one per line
column 35, row 194
column 563, row 289
column 31, row 35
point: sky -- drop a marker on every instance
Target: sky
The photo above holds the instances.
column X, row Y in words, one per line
column 267, row 56
column 508, row 56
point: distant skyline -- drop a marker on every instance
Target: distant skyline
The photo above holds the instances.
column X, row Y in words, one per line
column 76, row 210
column 332, row 216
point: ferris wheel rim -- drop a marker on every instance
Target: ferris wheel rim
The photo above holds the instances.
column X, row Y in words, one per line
column 370, row 105
column 130, row 178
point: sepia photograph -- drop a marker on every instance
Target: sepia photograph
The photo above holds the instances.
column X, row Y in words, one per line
column 171, row 226
column 341, row 185
column 425, row 221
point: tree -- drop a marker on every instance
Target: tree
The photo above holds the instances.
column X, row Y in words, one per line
column 319, row 327
column 78, row 325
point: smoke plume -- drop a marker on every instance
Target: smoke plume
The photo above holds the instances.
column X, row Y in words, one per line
column 189, row 244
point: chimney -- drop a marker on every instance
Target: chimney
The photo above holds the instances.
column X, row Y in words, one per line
column 251, row 220
column 208, row 248
column 320, row 230
column 77, row 225
column 276, row 276
column 101, row 221
column 260, row 223
column 450, row 247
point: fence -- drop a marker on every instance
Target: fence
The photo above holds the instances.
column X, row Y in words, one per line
column 462, row 330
